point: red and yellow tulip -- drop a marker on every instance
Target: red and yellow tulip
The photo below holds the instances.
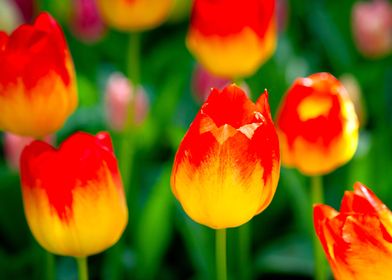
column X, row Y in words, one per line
column 37, row 79
column 134, row 15
column 232, row 39
column 73, row 196
column 227, row 166
column 358, row 239
column 317, row 125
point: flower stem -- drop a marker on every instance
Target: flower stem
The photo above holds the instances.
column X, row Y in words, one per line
column 244, row 244
column 318, row 197
column 220, row 247
column 134, row 58
column 82, row 268
column 50, row 266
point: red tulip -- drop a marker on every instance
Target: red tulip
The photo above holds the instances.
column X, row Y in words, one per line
column 227, row 166
column 232, row 39
column 37, row 79
column 317, row 125
column 358, row 239
column 73, row 196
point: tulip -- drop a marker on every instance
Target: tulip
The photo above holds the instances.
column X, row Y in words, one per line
column 372, row 28
column 73, row 196
column 357, row 240
column 317, row 125
column 27, row 8
column 232, row 39
column 134, row 15
column 14, row 145
column 37, row 79
column 86, row 21
column 227, row 166
column 122, row 96
column 203, row 82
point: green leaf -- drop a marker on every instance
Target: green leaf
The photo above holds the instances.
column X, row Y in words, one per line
column 154, row 230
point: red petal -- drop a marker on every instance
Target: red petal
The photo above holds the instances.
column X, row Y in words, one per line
column 229, row 106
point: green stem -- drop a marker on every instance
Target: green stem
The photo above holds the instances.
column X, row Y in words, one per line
column 220, row 247
column 134, row 58
column 318, row 197
column 50, row 266
column 244, row 244
column 82, row 268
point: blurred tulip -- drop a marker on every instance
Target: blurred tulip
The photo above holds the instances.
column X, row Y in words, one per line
column 86, row 21
column 232, row 39
column 14, row 145
column 317, row 125
column 73, row 196
column 372, row 27
column 26, row 8
column 37, row 79
column 354, row 91
column 282, row 14
column 122, row 96
column 358, row 239
column 226, row 168
column 134, row 15
column 203, row 82
column 10, row 16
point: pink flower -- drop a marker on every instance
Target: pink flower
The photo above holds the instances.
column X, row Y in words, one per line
column 121, row 96
column 203, row 81
column 86, row 22
column 14, row 145
column 372, row 27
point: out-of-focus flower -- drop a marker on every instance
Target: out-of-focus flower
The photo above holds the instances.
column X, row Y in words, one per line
column 358, row 239
column 73, row 196
column 134, row 15
column 14, row 145
column 122, row 99
column 10, row 16
column 317, row 125
column 282, row 14
column 203, row 82
column 372, row 27
column 86, row 20
column 26, row 8
column 354, row 91
column 227, row 166
column 232, row 39
column 37, row 79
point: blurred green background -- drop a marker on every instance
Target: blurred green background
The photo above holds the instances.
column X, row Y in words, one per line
column 161, row 242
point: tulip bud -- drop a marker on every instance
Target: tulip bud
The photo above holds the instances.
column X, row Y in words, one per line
column 26, row 8
column 227, row 166
column 73, row 196
column 358, row 239
column 121, row 99
column 86, row 21
column 134, row 15
column 372, row 27
column 37, row 79
column 14, row 145
column 232, row 40
column 317, row 125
